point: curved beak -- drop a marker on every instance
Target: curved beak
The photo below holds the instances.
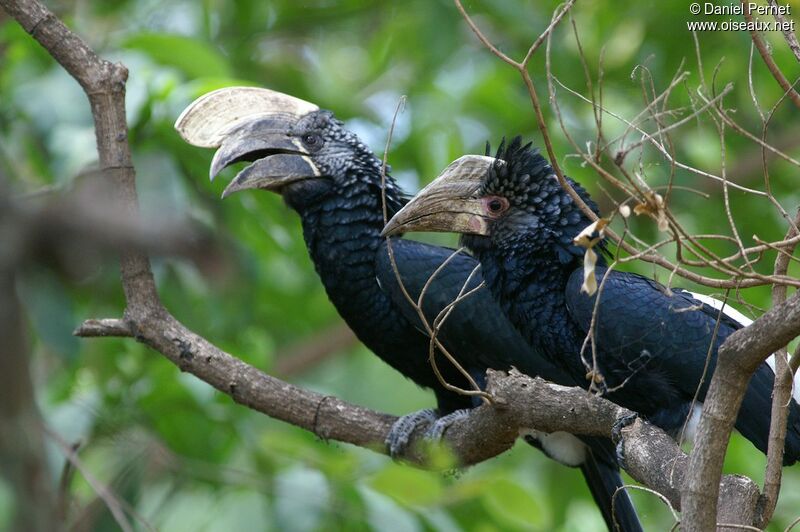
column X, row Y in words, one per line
column 449, row 203
column 250, row 124
column 273, row 172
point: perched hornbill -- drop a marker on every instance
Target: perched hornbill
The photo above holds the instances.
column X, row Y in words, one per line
column 333, row 180
column 651, row 344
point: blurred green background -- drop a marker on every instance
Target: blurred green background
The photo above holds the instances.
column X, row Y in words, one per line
column 188, row 458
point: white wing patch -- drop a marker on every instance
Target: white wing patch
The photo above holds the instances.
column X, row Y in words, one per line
column 745, row 321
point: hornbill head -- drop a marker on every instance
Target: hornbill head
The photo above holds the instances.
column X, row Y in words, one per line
column 293, row 145
column 452, row 202
column 497, row 201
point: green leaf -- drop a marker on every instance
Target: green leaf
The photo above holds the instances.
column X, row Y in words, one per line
column 189, row 510
column 202, row 85
column 7, row 505
column 510, row 503
column 50, row 310
column 302, row 497
column 193, row 57
column 384, row 514
column 407, row 485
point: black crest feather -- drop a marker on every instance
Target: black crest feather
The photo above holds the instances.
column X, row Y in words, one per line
column 517, row 171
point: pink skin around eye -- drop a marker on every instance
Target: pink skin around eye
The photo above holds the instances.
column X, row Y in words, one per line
column 490, row 201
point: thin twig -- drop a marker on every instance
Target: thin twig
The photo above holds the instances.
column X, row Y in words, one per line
column 109, row 498
column 767, row 57
column 417, row 305
column 786, row 29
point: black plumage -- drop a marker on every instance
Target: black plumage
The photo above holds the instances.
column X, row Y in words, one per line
column 340, row 204
column 654, row 349
column 342, row 231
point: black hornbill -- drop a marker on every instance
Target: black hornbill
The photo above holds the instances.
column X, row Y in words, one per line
column 655, row 348
column 333, row 181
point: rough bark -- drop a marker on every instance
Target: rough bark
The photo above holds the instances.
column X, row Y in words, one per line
column 519, row 401
column 739, row 357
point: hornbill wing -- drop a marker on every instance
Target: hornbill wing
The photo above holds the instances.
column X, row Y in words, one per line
column 739, row 320
column 476, row 331
column 639, row 326
column 642, row 328
column 479, row 335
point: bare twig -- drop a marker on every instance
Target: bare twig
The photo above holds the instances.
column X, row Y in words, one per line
column 744, row 279
column 519, row 400
column 758, row 340
column 110, row 499
column 788, row 33
column 417, row 305
column 767, row 57
column 650, row 138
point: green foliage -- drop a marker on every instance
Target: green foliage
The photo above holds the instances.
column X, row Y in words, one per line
column 408, row 486
column 512, row 506
column 191, row 57
column 50, row 311
column 187, row 458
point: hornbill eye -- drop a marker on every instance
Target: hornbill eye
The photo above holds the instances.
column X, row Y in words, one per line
column 312, row 140
column 496, row 205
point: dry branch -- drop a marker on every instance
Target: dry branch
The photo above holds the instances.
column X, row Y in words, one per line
column 738, row 359
column 149, row 322
column 781, row 399
column 747, row 348
column 741, row 279
column 788, row 33
column 519, row 401
column 767, row 57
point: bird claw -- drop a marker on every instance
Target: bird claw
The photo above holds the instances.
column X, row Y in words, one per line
column 400, row 433
column 616, row 436
column 436, row 430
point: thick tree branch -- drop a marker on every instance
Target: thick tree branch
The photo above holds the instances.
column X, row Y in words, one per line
column 781, row 398
column 520, row 402
column 738, row 359
column 244, row 383
column 739, row 356
column 104, row 85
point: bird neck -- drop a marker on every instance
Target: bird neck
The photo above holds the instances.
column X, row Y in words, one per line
column 342, row 233
column 347, row 221
column 530, row 287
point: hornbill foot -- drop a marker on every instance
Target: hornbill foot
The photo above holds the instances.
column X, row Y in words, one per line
column 436, row 431
column 397, row 439
column 616, row 436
